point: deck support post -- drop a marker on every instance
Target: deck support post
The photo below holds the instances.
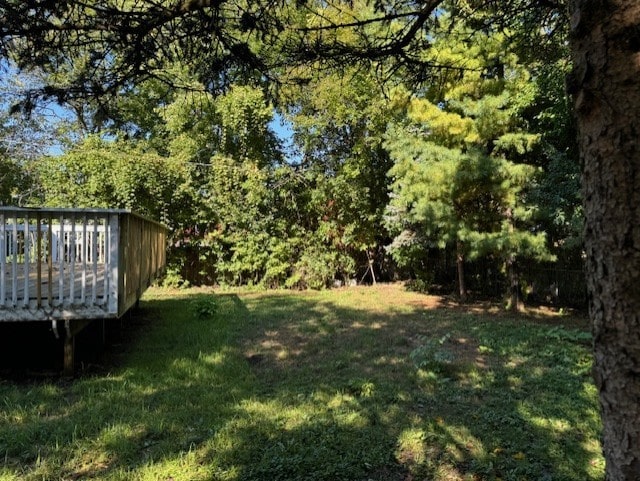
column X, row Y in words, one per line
column 69, row 355
column 71, row 327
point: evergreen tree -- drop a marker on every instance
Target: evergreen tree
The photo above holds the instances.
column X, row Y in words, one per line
column 460, row 157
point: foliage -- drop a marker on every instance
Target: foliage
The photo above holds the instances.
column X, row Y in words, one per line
column 432, row 353
column 558, row 195
column 100, row 173
column 245, row 133
column 204, row 307
column 319, row 265
column 560, row 333
column 12, row 181
column 557, row 190
column 108, row 49
column 339, row 122
column 418, row 285
column 203, row 156
column 270, row 223
column 173, row 279
column 462, row 155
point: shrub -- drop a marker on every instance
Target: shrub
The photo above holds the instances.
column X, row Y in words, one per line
column 204, row 307
column 431, row 354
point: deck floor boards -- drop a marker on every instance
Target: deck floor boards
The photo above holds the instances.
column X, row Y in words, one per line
column 51, row 289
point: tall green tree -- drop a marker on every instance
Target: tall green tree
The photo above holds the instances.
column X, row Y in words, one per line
column 338, row 124
column 235, row 157
column 557, row 191
column 461, row 156
column 12, row 181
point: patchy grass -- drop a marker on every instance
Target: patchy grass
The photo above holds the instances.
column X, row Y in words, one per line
column 357, row 384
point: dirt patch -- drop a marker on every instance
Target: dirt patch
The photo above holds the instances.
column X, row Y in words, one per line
column 538, row 313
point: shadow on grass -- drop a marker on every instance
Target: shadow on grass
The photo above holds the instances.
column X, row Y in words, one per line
column 311, row 387
column 516, row 400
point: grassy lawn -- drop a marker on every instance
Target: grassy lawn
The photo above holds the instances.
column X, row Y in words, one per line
column 354, row 384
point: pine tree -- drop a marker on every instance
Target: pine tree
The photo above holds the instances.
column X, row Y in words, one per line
column 460, row 156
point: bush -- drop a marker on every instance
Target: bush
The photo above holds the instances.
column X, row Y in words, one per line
column 431, row 354
column 204, row 307
column 173, row 279
column 418, row 285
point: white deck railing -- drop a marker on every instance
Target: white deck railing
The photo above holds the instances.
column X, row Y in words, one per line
column 75, row 263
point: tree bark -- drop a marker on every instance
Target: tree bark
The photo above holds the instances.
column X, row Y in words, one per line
column 462, row 286
column 514, row 284
column 512, row 270
column 605, row 42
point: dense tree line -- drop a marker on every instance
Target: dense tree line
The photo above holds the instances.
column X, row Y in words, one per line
column 384, row 181
column 435, row 128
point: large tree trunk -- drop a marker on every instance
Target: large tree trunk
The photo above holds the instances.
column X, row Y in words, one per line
column 606, row 88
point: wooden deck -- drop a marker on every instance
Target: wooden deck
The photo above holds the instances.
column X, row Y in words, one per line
column 72, row 266
column 58, row 264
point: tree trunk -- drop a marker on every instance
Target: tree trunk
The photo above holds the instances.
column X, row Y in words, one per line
column 605, row 41
column 512, row 270
column 514, row 284
column 462, row 286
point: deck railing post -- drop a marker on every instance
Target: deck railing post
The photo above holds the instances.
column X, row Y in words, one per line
column 72, row 260
column 61, row 261
column 50, row 252
column 124, row 265
column 94, row 255
column 84, row 252
column 113, row 236
column 3, row 259
column 25, row 249
column 38, row 261
column 14, row 262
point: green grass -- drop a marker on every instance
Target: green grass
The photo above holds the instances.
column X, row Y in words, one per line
column 353, row 384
